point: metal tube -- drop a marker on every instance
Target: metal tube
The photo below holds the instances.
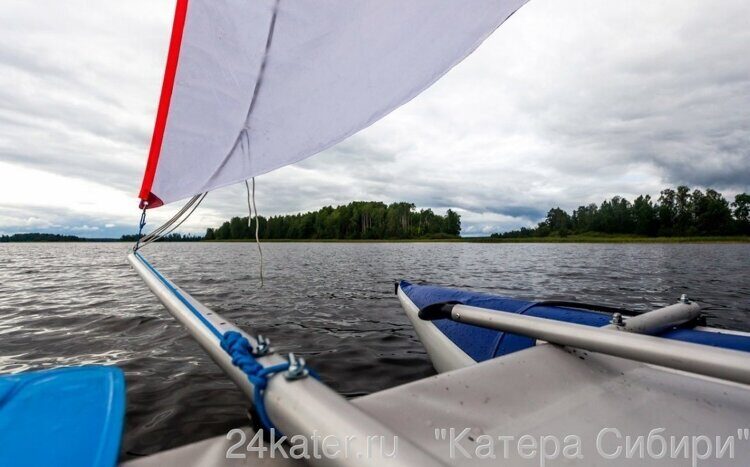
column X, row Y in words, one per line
column 662, row 319
column 705, row 360
column 301, row 407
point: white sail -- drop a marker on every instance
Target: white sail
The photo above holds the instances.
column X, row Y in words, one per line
column 252, row 86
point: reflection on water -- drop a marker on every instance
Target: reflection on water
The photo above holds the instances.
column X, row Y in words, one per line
column 73, row 304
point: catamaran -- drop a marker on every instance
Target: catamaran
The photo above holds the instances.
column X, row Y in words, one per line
column 252, row 86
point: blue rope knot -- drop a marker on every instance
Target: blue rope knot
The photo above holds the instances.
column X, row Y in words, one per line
column 241, row 351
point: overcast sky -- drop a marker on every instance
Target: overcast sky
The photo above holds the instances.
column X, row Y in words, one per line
column 569, row 102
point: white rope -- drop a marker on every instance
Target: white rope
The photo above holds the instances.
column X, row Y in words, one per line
column 161, row 231
column 174, row 218
column 250, row 208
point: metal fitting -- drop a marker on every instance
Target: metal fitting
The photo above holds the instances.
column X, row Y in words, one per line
column 684, row 299
column 262, row 347
column 297, row 369
column 616, row 319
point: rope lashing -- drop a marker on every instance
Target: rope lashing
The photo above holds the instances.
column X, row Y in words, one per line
column 243, row 357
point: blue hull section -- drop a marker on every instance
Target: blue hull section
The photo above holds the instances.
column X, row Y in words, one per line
column 62, row 417
column 483, row 344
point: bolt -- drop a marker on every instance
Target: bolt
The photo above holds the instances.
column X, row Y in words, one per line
column 262, row 347
column 616, row 319
column 296, row 369
column 684, row 299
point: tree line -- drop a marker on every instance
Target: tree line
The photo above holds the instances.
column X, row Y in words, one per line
column 40, row 237
column 48, row 237
column 358, row 220
column 173, row 237
column 676, row 212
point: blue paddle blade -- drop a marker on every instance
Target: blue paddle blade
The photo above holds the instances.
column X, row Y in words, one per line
column 62, row 417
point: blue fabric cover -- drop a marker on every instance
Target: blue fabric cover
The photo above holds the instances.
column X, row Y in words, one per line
column 482, row 344
column 62, row 417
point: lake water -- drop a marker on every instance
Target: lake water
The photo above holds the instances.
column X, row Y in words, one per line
column 333, row 303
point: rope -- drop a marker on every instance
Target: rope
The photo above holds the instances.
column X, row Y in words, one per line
column 166, row 225
column 250, row 208
column 241, row 351
column 141, row 224
column 157, row 231
column 187, row 216
column 171, row 221
column 161, row 231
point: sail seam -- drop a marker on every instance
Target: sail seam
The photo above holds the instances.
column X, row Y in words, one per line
column 243, row 134
column 262, row 70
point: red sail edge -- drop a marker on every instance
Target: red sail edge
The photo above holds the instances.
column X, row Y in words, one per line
column 148, row 199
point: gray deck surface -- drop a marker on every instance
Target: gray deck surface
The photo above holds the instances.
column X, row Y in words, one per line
column 551, row 392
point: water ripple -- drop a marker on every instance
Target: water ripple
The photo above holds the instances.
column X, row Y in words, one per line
column 76, row 304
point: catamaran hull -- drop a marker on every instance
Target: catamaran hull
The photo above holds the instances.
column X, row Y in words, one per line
column 444, row 354
column 452, row 345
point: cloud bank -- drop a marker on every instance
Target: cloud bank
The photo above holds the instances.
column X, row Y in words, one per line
column 566, row 104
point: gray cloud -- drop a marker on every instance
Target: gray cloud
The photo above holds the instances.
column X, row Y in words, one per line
column 568, row 103
column 64, row 221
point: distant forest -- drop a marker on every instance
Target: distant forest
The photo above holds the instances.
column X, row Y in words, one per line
column 677, row 212
column 359, row 220
column 47, row 237
column 40, row 237
column 173, row 237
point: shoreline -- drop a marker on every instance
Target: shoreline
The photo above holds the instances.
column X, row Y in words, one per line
column 570, row 239
column 515, row 240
